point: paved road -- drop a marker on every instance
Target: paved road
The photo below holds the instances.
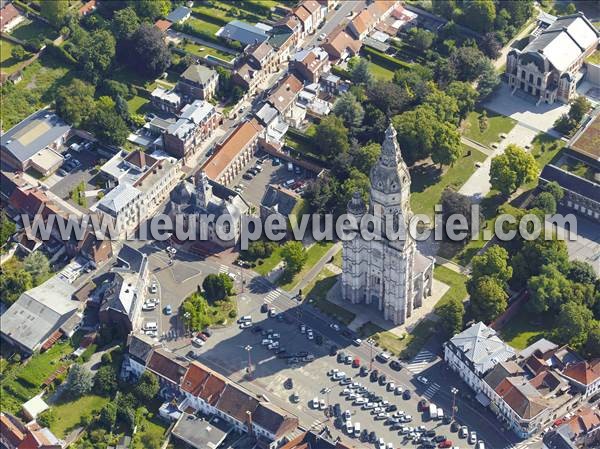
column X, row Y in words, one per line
column 335, row 18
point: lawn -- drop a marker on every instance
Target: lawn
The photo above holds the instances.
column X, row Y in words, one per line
column 544, row 149
column 68, row 414
column 456, row 282
column 594, row 58
column 428, row 185
column 224, row 12
column 203, row 25
column 381, row 72
column 314, row 254
column 137, row 104
column 337, row 259
column 7, row 63
column 316, row 294
column 36, row 89
column 497, row 124
column 35, row 29
column 523, row 330
column 23, row 381
column 265, row 266
column 150, row 427
column 202, row 50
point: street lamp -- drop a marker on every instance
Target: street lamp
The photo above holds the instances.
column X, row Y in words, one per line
column 248, row 348
column 454, row 392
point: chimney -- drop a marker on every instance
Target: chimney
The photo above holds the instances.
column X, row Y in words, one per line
column 249, row 422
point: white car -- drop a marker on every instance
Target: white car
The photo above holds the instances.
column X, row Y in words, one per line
column 335, row 327
column 398, row 390
column 347, row 414
column 197, row 342
column 480, row 445
column 245, row 324
column 147, row 306
column 463, row 432
column 423, row 380
column 315, row 403
column 381, row 444
column 322, row 404
column 153, row 287
column 391, row 386
column 472, row 437
column 345, row 392
column 150, row 333
column 310, row 335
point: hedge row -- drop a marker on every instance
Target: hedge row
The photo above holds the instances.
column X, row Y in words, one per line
column 386, row 60
column 344, row 74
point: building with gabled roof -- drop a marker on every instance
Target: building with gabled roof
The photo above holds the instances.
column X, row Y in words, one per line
column 10, row 17
column 242, row 32
column 585, row 375
column 168, row 367
column 548, row 68
column 340, row 45
column 197, row 82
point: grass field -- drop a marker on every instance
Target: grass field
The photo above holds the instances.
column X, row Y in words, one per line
column 203, row 25
column 151, row 427
column 34, row 29
column 314, row 254
column 268, row 264
column 137, row 104
column 316, row 294
column 8, row 64
column 36, row 89
column 404, row 347
column 201, row 50
column 381, row 72
column 544, row 149
column 224, row 11
column 68, row 414
column 456, row 282
column 522, row 330
column 497, row 124
column 428, row 183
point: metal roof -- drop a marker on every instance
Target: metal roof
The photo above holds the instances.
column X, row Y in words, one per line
column 178, row 14
column 243, row 32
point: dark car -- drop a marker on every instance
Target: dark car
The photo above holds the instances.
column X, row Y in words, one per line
column 347, row 333
column 341, row 356
column 302, row 354
column 372, row 437
column 257, row 329
column 395, row 365
column 391, row 408
column 206, row 332
column 447, row 419
column 283, row 355
column 454, row 427
column 382, row 379
column 264, row 308
column 289, row 383
column 364, row 435
column 374, row 375
column 430, row 433
column 319, row 339
column 364, row 370
column 333, row 350
column 439, row 438
column 406, row 395
column 422, row 406
column 428, row 445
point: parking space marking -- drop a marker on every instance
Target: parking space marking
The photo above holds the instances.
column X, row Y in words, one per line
column 420, row 362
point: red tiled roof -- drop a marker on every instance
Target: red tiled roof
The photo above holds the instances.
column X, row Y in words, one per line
column 339, row 41
column 163, row 25
column 10, row 431
column 286, row 91
column 302, row 13
column 8, row 14
column 194, row 379
column 87, row 8
column 235, row 143
column 583, row 372
column 363, row 21
column 237, row 403
column 311, row 5
column 163, row 363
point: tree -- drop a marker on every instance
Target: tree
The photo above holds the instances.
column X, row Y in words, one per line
column 322, row 193
column 360, row 72
column 582, row 272
column 106, row 124
column 445, row 8
column 573, row 323
column 415, row 82
column 445, row 106
column 151, row 9
column 488, row 298
column 108, row 416
column 13, row 283
column 465, row 96
column 494, row 263
column 217, row 286
column 105, row 380
column 468, row 63
column 97, row 54
column 534, row 254
column 555, row 190
column 512, row 169
column 416, row 132
column 150, row 54
column 294, row 255
column 479, row 15
column 389, row 97
column 548, row 290
column 447, row 147
column 75, row 102
column 7, row 228
column 451, row 316
column 488, row 80
column 355, row 182
column 125, row 22
column 38, row 265
column 420, row 38
column 79, row 381
column 147, row 387
column 570, row 8
column 490, row 45
column 350, row 111
column 18, row 53
column 363, row 158
column 55, row 12
column 579, row 107
column 546, row 202
column 151, row 440
column 331, row 136
column 592, row 345
column 454, row 203
column 374, row 124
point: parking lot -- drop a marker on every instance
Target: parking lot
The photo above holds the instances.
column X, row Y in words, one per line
column 272, row 172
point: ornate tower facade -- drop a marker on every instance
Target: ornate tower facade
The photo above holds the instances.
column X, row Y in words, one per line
column 381, row 271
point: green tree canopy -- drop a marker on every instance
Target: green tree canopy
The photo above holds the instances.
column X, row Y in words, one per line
column 493, row 262
column 75, row 102
column 217, row 286
column 105, row 380
column 7, row 228
column 360, row 72
column 55, row 11
column 534, row 254
column 488, row 298
column 331, row 136
column 294, row 255
column 38, row 265
column 125, row 22
column 545, row 201
column 147, row 387
column 479, row 15
column 350, row 111
column 106, row 124
column 97, row 54
column 150, row 54
column 512, row 169
column 451, row 316
column 573, row 322
column 79, row 381
column 420, row 38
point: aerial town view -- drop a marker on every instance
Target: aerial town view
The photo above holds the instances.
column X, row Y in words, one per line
column 299, row 224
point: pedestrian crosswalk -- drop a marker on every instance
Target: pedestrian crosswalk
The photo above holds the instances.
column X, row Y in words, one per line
column 272, row 296
column 431, row 391
column 421, row 361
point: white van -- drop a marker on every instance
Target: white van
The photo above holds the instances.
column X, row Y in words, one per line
column 432, row 411
column 150, row 326
column 440, row 413
column 357, row 429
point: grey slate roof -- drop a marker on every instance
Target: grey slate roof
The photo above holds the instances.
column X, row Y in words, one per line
column 33, row 134
column 132, row 259
column 199, row 433
column 118, row 198
column 178, row 14
column 39, row 312
column 198, row 74
column 243, row 32
column 569, row 181
column 278, row 201
column 140, row 347
column 482, row 346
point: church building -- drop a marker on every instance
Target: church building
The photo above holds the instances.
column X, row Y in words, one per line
column 391, row 275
